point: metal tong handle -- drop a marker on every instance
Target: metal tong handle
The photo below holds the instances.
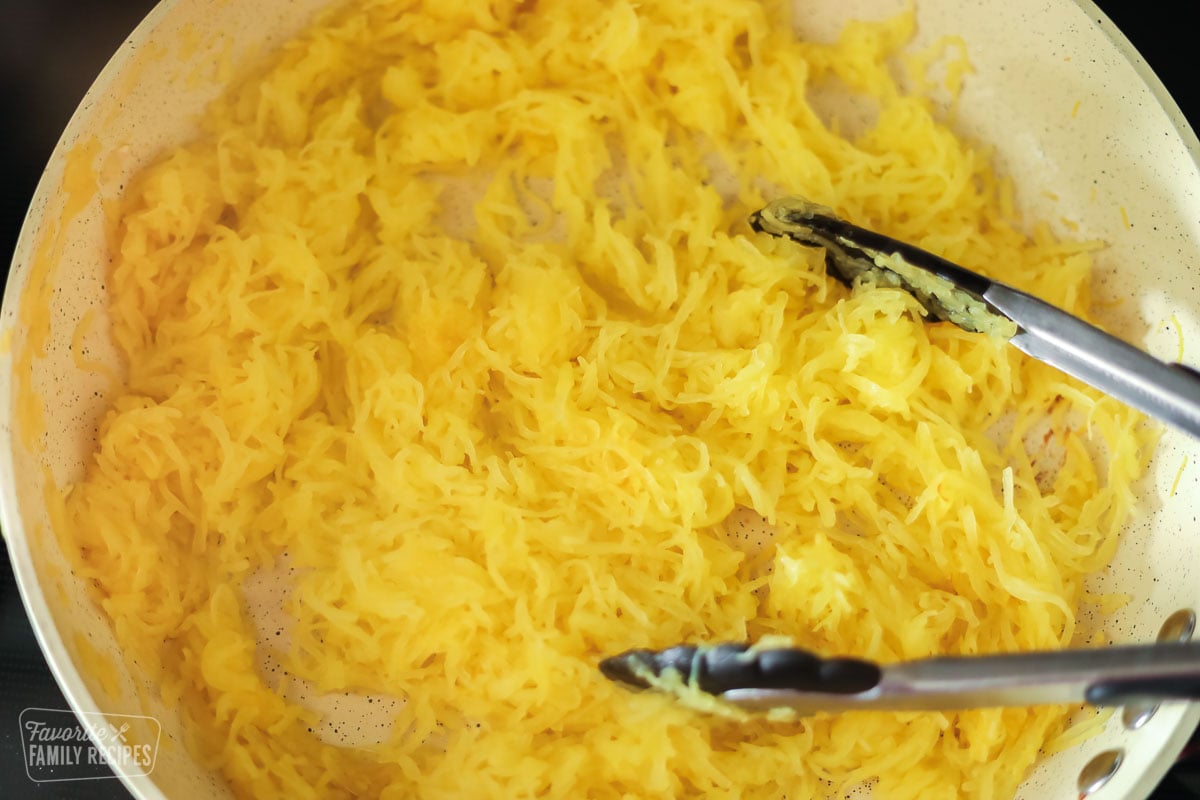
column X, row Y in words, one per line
column 1166, row 391
column 1109, row 676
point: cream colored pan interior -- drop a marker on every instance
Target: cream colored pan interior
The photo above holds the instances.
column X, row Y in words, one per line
column 1073, row 113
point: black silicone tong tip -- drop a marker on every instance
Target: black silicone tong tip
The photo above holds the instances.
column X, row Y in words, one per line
column 716, row 669
column 852, row 253
column 629, row 668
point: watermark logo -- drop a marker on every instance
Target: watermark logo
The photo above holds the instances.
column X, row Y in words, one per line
column 62, row 746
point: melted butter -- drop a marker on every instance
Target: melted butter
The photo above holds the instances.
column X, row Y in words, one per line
column 688, row 693
column 686, row 690
column 940, row 297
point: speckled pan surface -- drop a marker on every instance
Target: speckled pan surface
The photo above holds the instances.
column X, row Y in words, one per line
column 1093, row 143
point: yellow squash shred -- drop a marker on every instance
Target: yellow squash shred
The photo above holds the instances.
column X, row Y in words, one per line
column 452, row 314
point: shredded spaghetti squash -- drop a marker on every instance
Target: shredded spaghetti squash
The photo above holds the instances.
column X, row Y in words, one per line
column 452, row 318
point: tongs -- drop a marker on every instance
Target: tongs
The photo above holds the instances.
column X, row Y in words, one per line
column 763, row 678
column 1169, row 392
column 755, row 678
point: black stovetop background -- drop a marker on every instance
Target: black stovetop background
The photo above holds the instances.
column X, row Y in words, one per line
column 50, row 51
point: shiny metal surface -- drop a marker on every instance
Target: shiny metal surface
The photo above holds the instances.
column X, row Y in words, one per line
column 1099, row 771
column 1168, row 392
column 1161, row 672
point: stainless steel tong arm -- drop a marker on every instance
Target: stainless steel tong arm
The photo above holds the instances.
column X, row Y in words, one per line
column 952, row 293
column 1166, row 391
column 1106, row 676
